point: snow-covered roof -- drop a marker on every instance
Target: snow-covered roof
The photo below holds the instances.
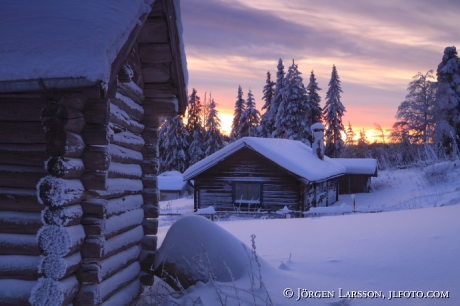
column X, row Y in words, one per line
column 359, row 165
column 292, row 155
column 170, row 180
column 65, row 38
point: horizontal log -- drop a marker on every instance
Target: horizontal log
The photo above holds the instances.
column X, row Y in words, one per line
column 125, row 296
column 94, row 180
column 19, row 267
column 149, row 243
column 150, row 151
column 20, row 176
column 160, row 90
column 157, row 73
column 120, row 118
column 109, row 227
column 77, row 100
column 154, row 30
column 133, row 109
column 117, row 187
column 153, row 121
column 67, row 168
column 150, row 166
column 62, row 216
column 160, row 107
column 57, row 267
column 16, row 292
column 97, row 111
column 64, row 143
column 96, row 158
column 18, row 199
column 131, row 171
column 151, row 196
column 20, row 222
column 113, row 206
column 60, row 117
column 132, row 91
column 151, row 211
column 57, row 192
column 76, row 121
column 94, row 248
column 127, row 140
column 17, row 244
column 123, row 155
column 48, row 291
column 151, row 53
column 20, row 109
column 22, row 132
column 96, row 272
column 146, row 260
column 59, row 240
column 150, row 181
column 23, row 154
column 95, row 294
column 96, row 134
column 150, row 135
column 150, row 226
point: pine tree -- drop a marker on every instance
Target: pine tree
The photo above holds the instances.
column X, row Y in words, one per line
column 333, row 112
column 249, row 120
column 292, row 120
column 194, row 110
column 240, row 106
column 213, row 137
column 269, row 93
column 277, row 98
column 417, row 110
column 174, row 145
column 447, row 109
column 195, row 150
column 349, row 141
column 313, row 100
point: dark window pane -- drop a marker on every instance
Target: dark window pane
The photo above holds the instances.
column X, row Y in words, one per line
column 240, row 191
column 253, row 192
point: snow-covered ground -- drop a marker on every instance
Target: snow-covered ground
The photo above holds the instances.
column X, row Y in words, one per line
column 414, row 251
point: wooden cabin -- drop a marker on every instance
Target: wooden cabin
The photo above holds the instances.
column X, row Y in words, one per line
column 83, row 86
column 172, row 186
column 357, row 178
column 264, row 173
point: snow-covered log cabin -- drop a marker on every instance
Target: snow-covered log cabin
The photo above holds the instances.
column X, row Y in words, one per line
column 83, row 85
column 267, row 174
column 358, row 174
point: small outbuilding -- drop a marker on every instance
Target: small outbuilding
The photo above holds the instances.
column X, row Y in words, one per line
column 172, row 186
column 267, row 174
column 358, row 174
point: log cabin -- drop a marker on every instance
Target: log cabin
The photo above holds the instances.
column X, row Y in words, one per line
column 358, row 175
column 265, row 174
column 83, row 87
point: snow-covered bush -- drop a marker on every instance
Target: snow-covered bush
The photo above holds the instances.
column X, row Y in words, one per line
column 438, row 173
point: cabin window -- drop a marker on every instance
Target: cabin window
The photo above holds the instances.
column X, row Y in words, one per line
column 247, row 192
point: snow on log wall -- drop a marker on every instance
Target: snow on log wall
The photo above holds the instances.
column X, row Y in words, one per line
column 60, row 192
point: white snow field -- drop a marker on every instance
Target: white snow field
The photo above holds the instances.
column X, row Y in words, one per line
column 401, row 256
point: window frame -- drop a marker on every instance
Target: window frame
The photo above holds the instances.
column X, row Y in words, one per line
column 260, row 183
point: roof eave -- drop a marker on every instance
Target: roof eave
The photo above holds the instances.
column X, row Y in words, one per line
column 45, row 84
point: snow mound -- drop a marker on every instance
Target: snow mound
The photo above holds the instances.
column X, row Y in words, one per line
column 195, row 249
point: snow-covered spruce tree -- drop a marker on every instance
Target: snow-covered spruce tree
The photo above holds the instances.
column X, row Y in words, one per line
column 416, row 112
column 292, row 119
column 332, row 115
column 447, row 108
column 277, row 98
column 240, row 106
column 175, row 145
column 350, row 140
column 269, row 92
column 250, row 119
column 194, row 110
column 195, row 151
column 213, row 138
column 313, row 100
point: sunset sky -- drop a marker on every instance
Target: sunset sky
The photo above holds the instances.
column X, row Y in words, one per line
column 377, row 46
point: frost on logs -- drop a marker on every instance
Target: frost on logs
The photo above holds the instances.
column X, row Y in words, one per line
column 195, row 249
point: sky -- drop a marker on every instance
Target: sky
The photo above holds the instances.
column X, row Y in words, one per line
column 377, row 47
